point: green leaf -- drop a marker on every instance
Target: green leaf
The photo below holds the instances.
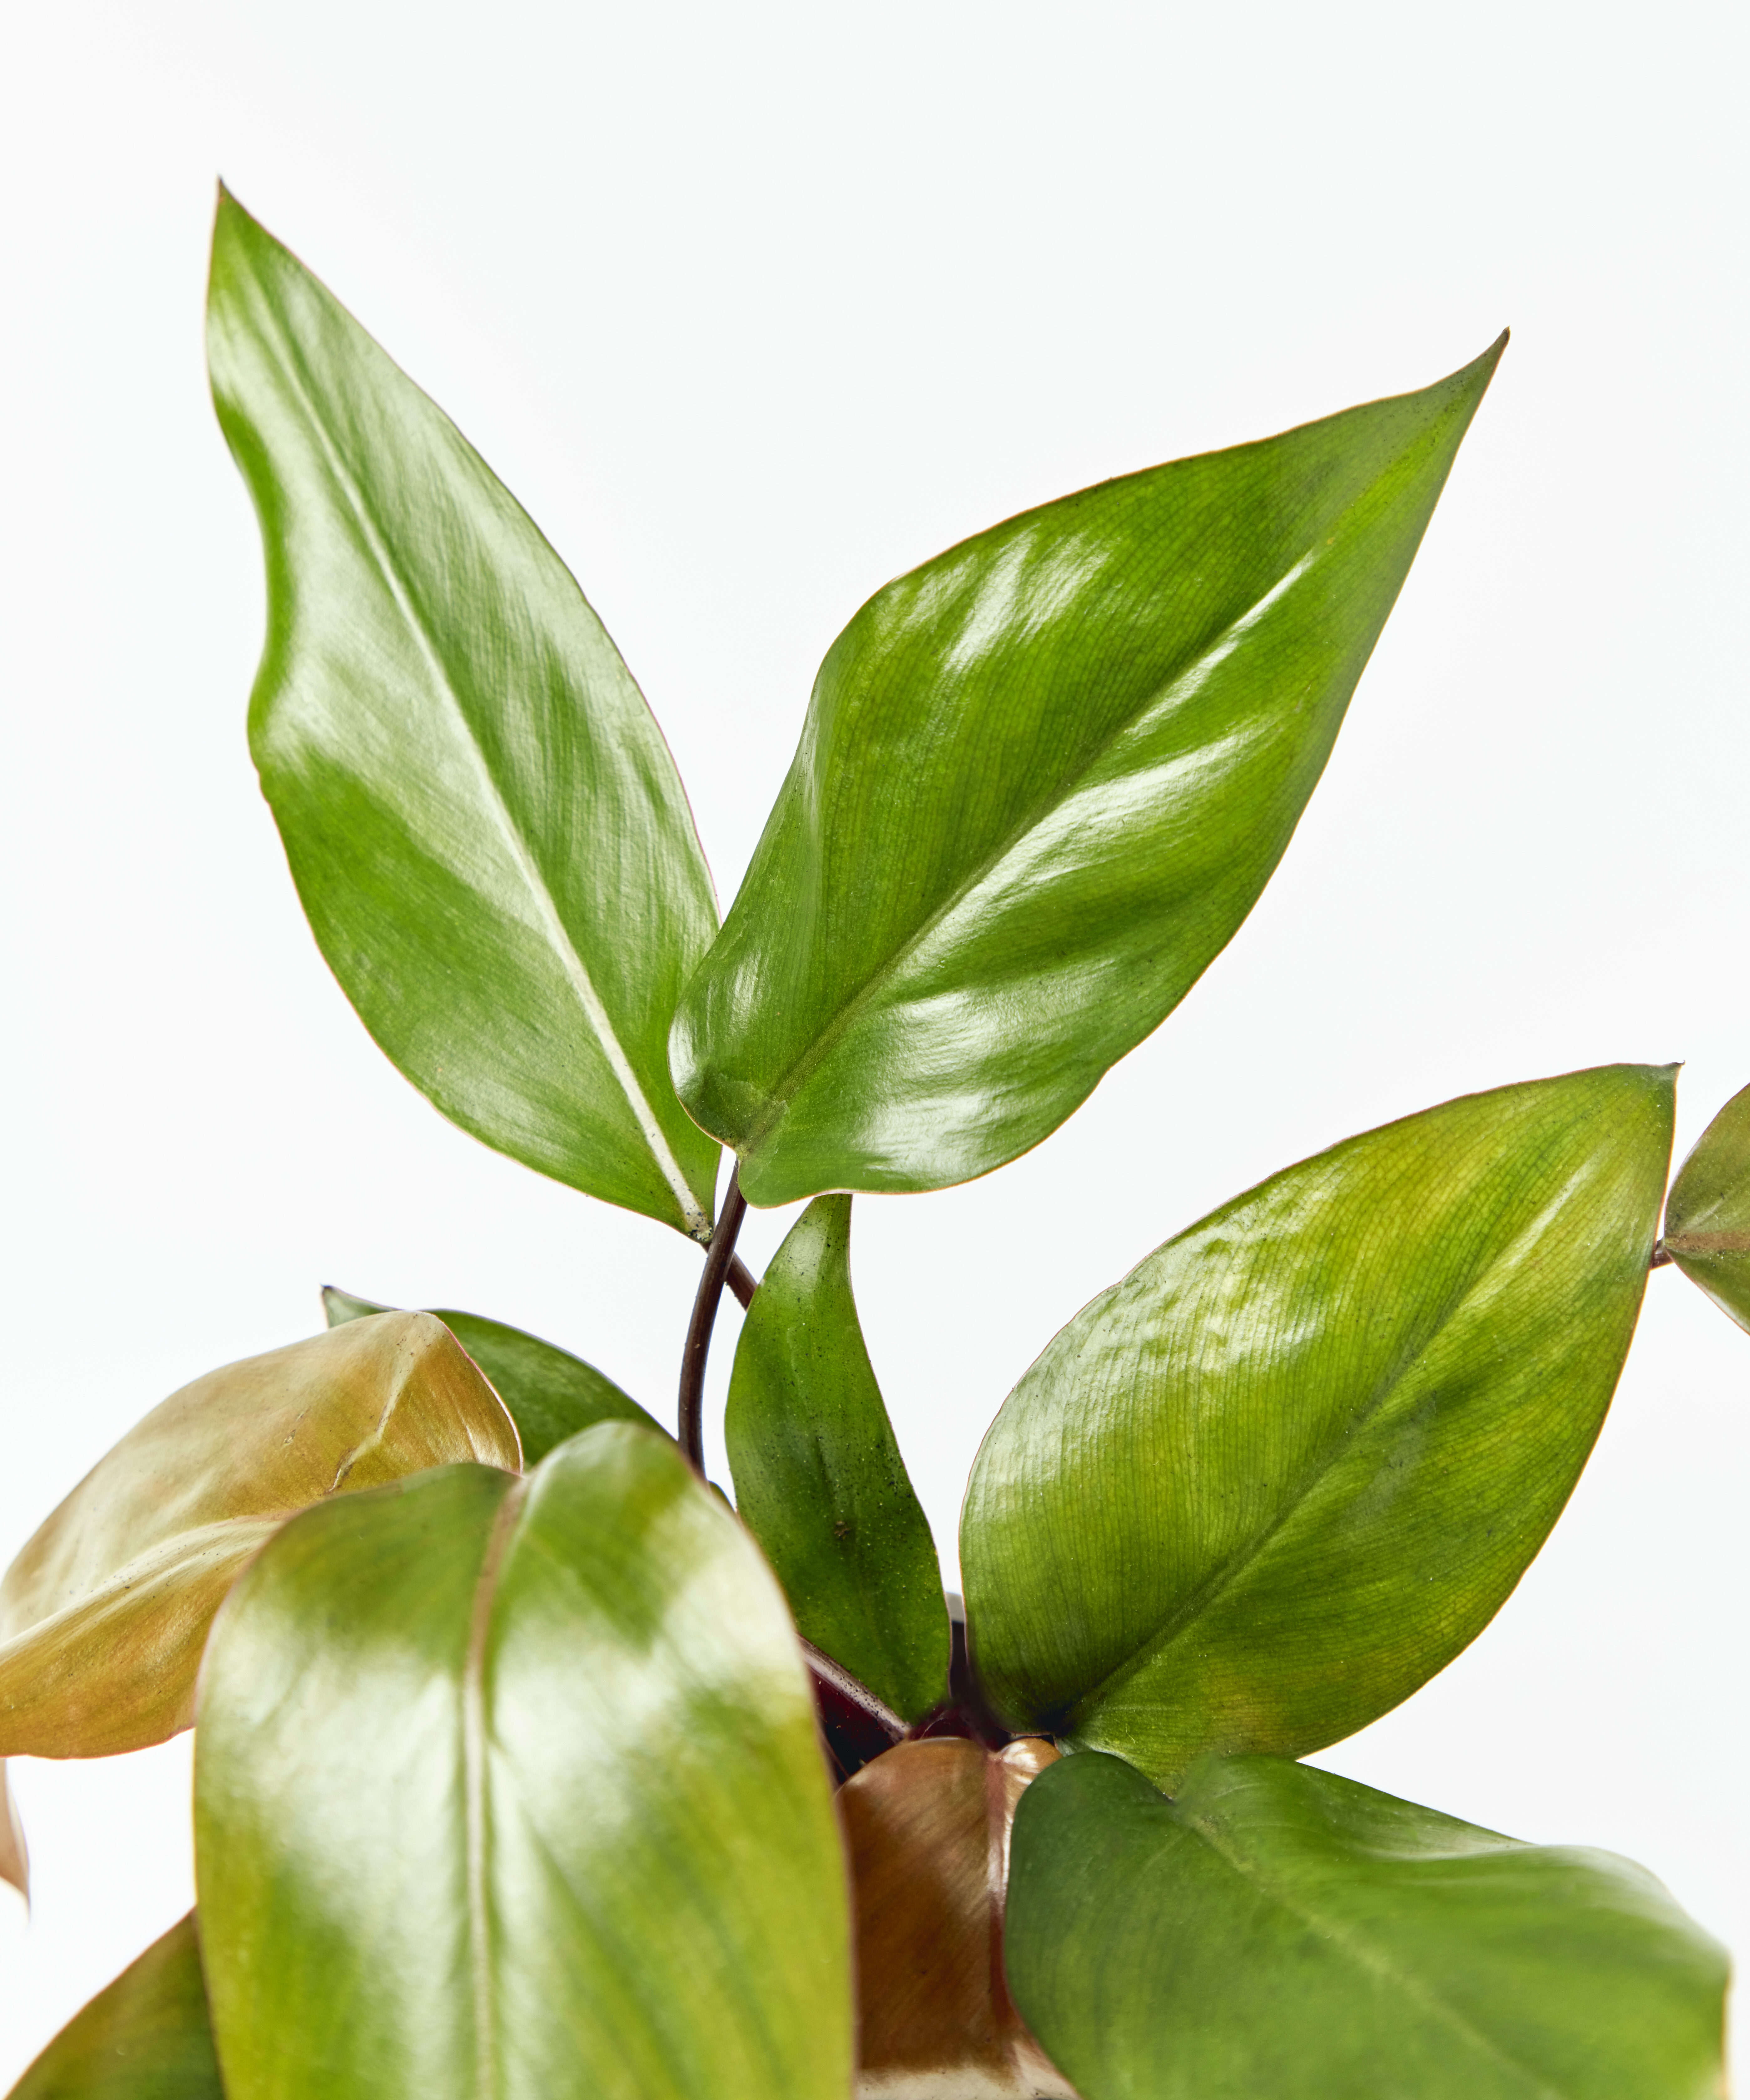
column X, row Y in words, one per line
column 1255, row 1494
column 548, row 1393
column 1277, row 1932
column 485, row 826
column 1042, row 780
column 104, row 1614
column 818, row 1478
column 511, row 1787
column 1708, row 1218
column 145, row 2037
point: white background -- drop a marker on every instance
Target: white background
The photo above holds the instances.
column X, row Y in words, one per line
column 754, row 307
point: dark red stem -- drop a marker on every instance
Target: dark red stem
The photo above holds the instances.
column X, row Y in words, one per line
column 718, row 1258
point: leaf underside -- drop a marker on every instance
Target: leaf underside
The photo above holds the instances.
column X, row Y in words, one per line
column 1707, row 1217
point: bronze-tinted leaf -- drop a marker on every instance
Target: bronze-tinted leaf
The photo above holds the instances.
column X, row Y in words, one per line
column 927, row 1826
column 15, row 1855
column 1707, row 1217
column 104, row 1614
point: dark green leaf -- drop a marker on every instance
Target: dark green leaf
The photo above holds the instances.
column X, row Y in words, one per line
column 1255, row 1494
column 548, row 1393
column 513, row 1788
column 1042, row 781
column 819, row 1479
column 1277, row 1932
column 145, row 2037
column 1707, row 1219
column 483, row 823
column 104, row 1614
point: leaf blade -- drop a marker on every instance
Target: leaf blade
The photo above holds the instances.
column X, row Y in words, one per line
column 1707, row 1215
column 145, row 2037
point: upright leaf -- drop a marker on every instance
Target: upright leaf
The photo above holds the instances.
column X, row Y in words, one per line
column 1042, row 780
column 14, row 1855
column 483, row 823
column 1708, row 1218
column 1276, row 1932
column 509, row 1788
column 104, row 1614
column 818, row 1478
column 1255, row 1494
column 548, row 1393
column 146, row 2036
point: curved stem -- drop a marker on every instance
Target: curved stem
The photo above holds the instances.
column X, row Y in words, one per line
column 742, row 1281
column 718, row 1258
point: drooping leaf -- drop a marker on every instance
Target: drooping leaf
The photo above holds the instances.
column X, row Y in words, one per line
column 14, row 1855
column 485, row 826
column 1707, row 1217
column 146, row 2036
column 1276, row 1933
column 818, row 1478
column 104, row 1614
column 927, row 1829
column 1042, row 781
column 1255, row 1494
column 514, row 1789
column 549, row 1393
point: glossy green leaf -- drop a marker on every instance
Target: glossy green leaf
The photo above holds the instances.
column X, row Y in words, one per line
column 548, row 1393
column 145, row 2037
column 484, row 825
column 1255, row 1494
column 104, row 1614
column 513, row 1790
column 1276, row 1933
column 1042, row 780
column 1708, row 1218
column 818, row 1478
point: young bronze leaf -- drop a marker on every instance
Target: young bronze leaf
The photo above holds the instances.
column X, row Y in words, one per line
column 818, row 1478
column 1255, row 1494
column 14, row 1855
column 146, row 2036
column 1707, row 1217
column 1275, row 1933
column 549, row 1393
column 927, row 1829
column 1042, row 780
column 513, row 1788
column 104, row 1614
column 484, row 825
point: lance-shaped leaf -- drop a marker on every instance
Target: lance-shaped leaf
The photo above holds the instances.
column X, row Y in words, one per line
column 1707, row 1217
column 1042, row 780
column 927, row 1829
column 548, row 1393
column 510, row 1788
column 104, row 1614
column 146, row 2036
column 14, row 1855
column 1276, row 1932
column 485, row 826
column 1255, row 1494
column 818, row 1478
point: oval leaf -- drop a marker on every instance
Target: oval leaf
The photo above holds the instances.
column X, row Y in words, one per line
column 485, row 826
column 1042, row 780
column 1255, row 1494
column 927, row 1828
column 145, row 2037
column 818, row 1478
column 1277, row 1932
column 548, row 1393
column 1708, row 1218
column 514, row 1788
column 104, row 1614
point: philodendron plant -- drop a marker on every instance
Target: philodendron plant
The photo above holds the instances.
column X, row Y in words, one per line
column 526, row 1766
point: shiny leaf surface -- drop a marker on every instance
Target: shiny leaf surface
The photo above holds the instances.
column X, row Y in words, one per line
column 549, row 1393
column 104, row 1614
column 1708, row 1218
column 1277, row 1932
column 513, row 1788
column 1042, row 780
column 145, row 2037
column 485, row 826
column 14, row 1855
column 1255, row 1494
column 927, row 1829
column 818, row 1478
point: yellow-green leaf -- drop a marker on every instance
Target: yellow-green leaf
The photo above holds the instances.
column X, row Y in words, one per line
column 1707, row 1217
column 146, row 2036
